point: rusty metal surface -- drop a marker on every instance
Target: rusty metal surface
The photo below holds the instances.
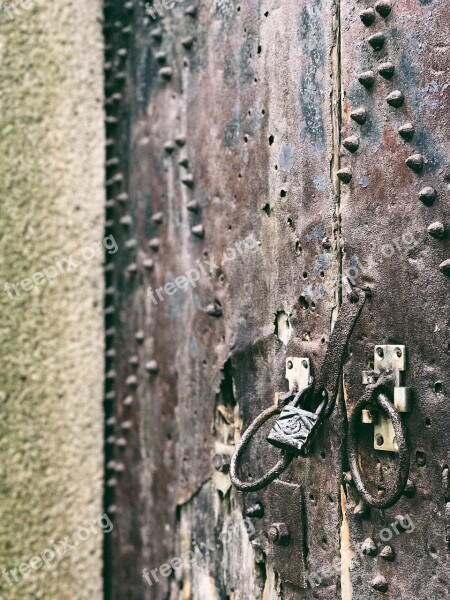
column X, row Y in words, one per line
column 385, row 227
column 223, row 126
column 224, row 130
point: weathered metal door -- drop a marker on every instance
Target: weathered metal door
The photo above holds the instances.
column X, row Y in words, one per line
column 262, row 157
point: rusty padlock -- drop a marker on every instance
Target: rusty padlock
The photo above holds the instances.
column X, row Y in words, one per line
column 296, row 427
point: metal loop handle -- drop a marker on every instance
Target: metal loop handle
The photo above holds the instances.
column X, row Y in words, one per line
column 282, row 465
column 377, row 394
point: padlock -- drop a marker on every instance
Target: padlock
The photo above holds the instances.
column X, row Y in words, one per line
column 296, row 427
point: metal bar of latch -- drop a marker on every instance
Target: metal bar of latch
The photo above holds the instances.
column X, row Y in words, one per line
column 388, row 360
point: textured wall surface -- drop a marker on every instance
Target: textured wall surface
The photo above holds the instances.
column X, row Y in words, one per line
column 51, row 190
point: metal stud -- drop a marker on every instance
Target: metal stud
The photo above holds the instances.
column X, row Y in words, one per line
column 110, row 422
column 154, row 244
column 367, row 16
column 169, row 147
column 380, row 584
column 445, row 267
column 198, row 231
column 166, row 73
column 111, row 482
column 214, row 310
column 351, row 143
column 396, row 99
column 187, row 42
column 387, row 553
column 157, row 34
column 126, row 425
column 345, row 175
column 126, row 220
column 130, row 244
column 112, row 510
column 123, row 197
column 152, row 366
column 161, row 57
column 180, row 141
column 157, row 218
column 367, row 79
column 188, row 180
column 383, row 8
column 348, row 477
column 112, row 162
column 386, row 70
column 191, row 11
column 128, row 401
column 192, row 206
column 110, row 396
column 377, row 41
column 406, row 131
column 279, row 534
column 139, row 336
column 410, row 489
column 133, row 361
column 415, row 162
column 149, row 264
column 121, row 442
column 359, row 115
column 110, row 375
column 221, row 462
column 369, row 547
column 132, row 268
column 131, row 381
column 428, row 195
column 362, row 510
column 184, row 162
column 110, row 333
column 437, row 230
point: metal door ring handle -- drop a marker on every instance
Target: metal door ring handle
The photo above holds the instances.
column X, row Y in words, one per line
column 276, row 471
column 377, row 395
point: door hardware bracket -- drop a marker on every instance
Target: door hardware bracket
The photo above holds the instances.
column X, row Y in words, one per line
column 298, row 372
column 388, row 359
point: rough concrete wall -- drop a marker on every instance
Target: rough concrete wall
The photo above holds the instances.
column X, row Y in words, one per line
column 51, row 189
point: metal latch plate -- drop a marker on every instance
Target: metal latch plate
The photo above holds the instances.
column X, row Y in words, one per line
column 298, row 372
column 388, row 358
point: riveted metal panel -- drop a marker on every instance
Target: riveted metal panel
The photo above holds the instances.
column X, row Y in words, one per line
column 394, row 243
column 230, row 127
column 221, row 150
